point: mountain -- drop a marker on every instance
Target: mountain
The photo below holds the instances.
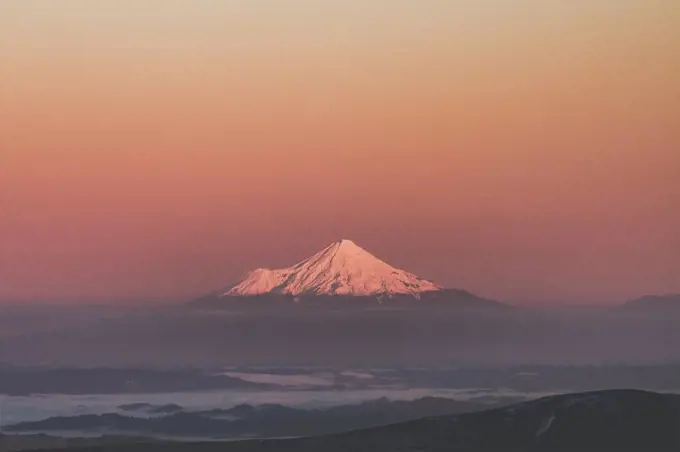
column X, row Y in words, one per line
column 602, row 421
column 341, row 271
column 655, row 302
column 343, row 268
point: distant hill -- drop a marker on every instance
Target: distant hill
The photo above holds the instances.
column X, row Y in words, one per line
column 655, row 302
column 263, row 421
column 602, row 421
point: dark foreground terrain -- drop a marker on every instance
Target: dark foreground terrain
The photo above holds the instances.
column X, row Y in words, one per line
column 618, row 420
column 15, row 443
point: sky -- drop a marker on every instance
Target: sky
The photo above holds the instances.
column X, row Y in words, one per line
column 155, row 150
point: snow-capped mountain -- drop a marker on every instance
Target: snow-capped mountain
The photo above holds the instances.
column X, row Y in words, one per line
column 342, row 268
column 341, row 273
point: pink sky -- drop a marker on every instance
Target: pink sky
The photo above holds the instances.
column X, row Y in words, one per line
column 153, row 150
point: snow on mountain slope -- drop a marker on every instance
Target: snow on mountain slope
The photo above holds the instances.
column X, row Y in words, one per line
column 342, row 268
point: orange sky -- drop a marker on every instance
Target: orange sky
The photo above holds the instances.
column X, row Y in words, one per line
column 155, row 150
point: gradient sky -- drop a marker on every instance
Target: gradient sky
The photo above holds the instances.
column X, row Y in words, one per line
column 527, row 150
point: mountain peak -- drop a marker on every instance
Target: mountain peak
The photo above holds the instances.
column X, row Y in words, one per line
column 346, row 246
column 347, row 243
column 342, row 268
column 345, row 249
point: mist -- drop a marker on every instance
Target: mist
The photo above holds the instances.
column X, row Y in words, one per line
column 181, row 337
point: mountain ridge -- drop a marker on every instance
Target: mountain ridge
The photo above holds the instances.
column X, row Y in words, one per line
column 654, row 302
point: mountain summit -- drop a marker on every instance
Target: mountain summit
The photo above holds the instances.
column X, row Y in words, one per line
column 342, row 270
